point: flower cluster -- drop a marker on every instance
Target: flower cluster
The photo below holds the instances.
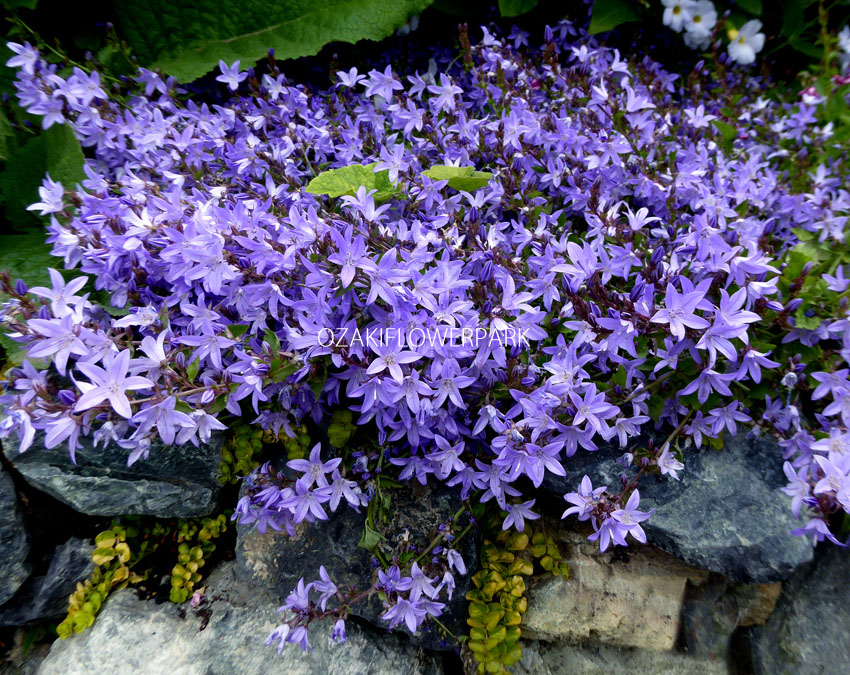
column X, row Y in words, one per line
column 698, row 18
column 659, row 243
column 409, row 599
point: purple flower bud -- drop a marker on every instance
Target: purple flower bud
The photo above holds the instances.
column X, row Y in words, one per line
column 793, row 304
column 548, row 34
column 774, row 305
column 657, row 254
column 67, row 397
column 486, row 272
column 637, row 290
column 20, row 287
column 807, row 268
column 207, row 397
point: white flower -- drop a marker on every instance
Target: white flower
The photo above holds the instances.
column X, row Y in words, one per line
column 668, row 463
column 701, row 22
column 746, row 42
column 844, row 44
column 844, row 39
column 677, row 12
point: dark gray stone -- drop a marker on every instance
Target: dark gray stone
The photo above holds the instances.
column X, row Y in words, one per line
column 14, row 541
column 561, row 658
column 276, row 560
column 809, row 633
column 223, row 636
column 46, row 597
column 727, row 514
column 175, row 481
column 713, row 610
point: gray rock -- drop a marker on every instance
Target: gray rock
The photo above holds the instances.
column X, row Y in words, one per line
column 14, row 541
column 175, row 481
column 540, row 658
column 809, row 632
column 727, row 514
column 629, row 601
column 713, row 610
column 46, row 596
column 279, row 561
column 223, row 636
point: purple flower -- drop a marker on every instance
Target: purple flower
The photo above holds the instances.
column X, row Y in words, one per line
column 679, row 310
column 583, row 501
column 230, row 75
column 836, row 283
column 314, row 469
column 392, row 581
column 339, row 635
column 410, row 613
column 592, row 409
column 668, row 464
column 110, row 384
column 518, row 514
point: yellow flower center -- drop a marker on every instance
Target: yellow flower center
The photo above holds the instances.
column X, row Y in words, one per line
column 732, row 33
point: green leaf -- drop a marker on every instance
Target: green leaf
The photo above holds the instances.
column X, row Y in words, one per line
column 20, row 4
column 348, row 179
column 369, row 539
column 20, row 179
column 237, row 330
column 6, row 137
column 461, row 178
column 608, row 14
column 727, row 131
column 193, row 368
column 64, row 155
column 807, row 322
column 187, row 39
column 807, row 48
column 751, row 6
column 802, row 235
column 516, row 7
column 792, row 18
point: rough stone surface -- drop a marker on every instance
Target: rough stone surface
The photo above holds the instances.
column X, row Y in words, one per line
column 713, row 610
column 14, row 541
column 46, row 596
column 626, row 600
column 278, row 561
column 726, row 514
column 541, row 658
column 809, row 632
column 175, row 481
column 223, row 636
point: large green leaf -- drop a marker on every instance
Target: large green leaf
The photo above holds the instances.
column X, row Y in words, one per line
column 608, row 14
column 516, row 7
column 27, row 257
column 187, row 39
column 348, row 179
column 55, row 151
column 464, row 178
column 64, row 155
column 751, row 6
column 20, row 179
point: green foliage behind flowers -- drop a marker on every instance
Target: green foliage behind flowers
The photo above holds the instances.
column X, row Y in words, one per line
column 195, row 544
column 497, row 603
column 188, row 40
column 238, row 452
column 134, row 550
